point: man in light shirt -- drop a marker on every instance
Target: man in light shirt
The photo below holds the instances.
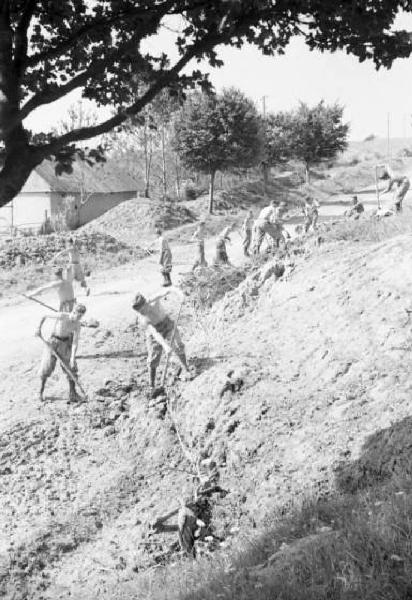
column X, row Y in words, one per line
column 247, row 232
column 401, row 182
column 269, row 222
column 199, row 236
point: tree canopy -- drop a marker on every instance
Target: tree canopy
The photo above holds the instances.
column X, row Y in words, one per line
column 216, row 133
column 49, row 48
column 318, row 133
column 308, row 134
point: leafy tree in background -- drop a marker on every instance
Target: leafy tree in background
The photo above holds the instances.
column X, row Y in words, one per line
column 217, row 133
column 50, row 48
column 317, row 133
column 277, row 134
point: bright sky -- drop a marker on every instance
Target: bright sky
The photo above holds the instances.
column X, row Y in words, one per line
column 369, row 96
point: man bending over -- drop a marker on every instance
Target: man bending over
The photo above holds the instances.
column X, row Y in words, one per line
column 159, row 328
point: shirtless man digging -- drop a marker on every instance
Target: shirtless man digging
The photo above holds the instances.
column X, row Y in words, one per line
column 64, row 341
column 159, row 328
column 63, row 287
column 74, row 268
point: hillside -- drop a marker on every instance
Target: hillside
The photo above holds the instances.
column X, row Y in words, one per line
column 323, row 354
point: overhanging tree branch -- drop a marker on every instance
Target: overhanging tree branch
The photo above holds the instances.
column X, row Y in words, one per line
column 164, row 79
column 94, row 24
column 96, row 68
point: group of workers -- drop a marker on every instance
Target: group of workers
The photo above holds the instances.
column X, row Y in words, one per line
column 160, row 329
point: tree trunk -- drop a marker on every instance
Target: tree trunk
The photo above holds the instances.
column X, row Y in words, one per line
column 211, row 190
column 177, row 171
column 18, row 165
column 18, row 158
column 147, row 147
column 164, row 175
column 307, row 173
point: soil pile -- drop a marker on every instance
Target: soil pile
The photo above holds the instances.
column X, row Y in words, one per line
column 129, row 220
column 41, row 249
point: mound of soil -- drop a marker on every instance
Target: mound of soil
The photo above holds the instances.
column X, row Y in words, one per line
column 130, row 219
column 41, row 248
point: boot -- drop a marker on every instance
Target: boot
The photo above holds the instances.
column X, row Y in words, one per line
column 166, row 280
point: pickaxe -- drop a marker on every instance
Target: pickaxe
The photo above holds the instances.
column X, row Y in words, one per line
column 92, row 323
column 63, row 365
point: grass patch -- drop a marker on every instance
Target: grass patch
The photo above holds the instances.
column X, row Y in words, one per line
column 369, row 229
column 341, row 547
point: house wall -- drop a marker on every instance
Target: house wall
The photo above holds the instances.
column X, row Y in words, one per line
column 25, row 211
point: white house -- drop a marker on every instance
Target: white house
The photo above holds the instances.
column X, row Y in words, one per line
column 91, row 190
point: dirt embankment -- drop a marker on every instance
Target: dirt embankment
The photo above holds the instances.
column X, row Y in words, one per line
column 321, row 354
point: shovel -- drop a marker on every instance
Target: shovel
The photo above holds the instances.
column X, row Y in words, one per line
column 160, row 391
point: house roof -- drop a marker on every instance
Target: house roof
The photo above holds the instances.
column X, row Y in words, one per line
column 104, row 177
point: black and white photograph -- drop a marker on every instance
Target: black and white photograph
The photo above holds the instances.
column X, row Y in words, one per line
column 205, row 300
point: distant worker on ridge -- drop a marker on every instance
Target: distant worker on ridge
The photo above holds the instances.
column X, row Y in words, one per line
column 356, row 209
column 199, row 236
column 165, row 258
column 402, row 185
column 247, row 226
column 221, row 257
column 311, row 213
column 268, row 222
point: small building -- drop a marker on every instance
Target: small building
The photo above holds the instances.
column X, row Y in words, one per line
column 74, row 199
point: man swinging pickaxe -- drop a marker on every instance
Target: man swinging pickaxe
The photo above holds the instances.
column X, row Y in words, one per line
column 62, row 347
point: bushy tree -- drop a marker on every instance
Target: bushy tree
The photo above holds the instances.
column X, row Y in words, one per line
column 218, row 132
column 278, row 143
column 318, row 133
column 308, row 134
column 48, row 48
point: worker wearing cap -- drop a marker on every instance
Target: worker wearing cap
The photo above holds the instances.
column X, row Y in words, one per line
column 401, row 182
column 63, row 287
column 159, row 328
column 199, row 237
column 311, row 213
column 267, row 223
column 64, row 341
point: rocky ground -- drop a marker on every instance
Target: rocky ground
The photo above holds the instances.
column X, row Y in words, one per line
column 319, row 358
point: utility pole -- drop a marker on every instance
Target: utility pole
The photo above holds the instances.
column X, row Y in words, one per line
column 388, row 124
column 264, row 106
column 264, row 164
